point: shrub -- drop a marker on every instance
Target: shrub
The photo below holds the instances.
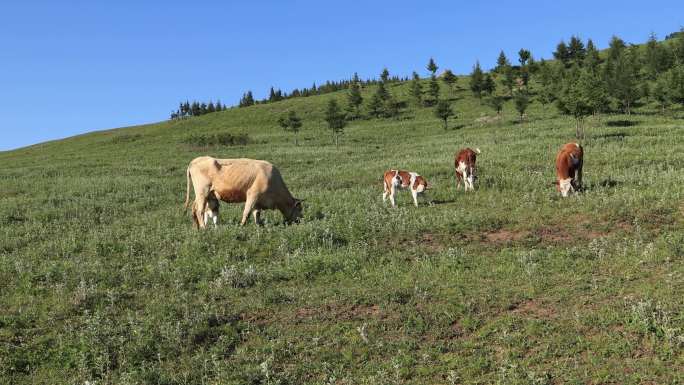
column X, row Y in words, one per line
column 219, row 139
column 126, row 138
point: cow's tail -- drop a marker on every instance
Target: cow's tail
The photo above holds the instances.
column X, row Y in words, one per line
column 187, row 189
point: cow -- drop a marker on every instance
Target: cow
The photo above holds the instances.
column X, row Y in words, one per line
column 399, row 179
column 569, row 168
column 256, row 182
column 466, row 172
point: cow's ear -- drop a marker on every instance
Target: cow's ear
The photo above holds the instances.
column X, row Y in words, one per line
column 298, row 203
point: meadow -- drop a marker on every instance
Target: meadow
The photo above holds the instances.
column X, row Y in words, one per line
column 104, row 280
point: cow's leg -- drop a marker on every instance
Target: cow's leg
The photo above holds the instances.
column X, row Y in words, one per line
column 257, row 217
column 415, row 197
column 384, row 193
column 195, row 223
column 212, row 210
column 578, row 177
column 459, row 180
column 200, row 204
column 391, row 195
column 249, row 206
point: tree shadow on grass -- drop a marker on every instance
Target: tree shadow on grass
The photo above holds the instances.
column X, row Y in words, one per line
column 621, row 123
column 611, row 135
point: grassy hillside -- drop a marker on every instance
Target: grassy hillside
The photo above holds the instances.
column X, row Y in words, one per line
column 103, row 278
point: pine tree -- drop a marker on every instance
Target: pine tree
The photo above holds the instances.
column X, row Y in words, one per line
column 591, row 58
column 271, row 95
column 593, row 90
column 616, row 48
column 656, row 58
column 573, row 100
column 508, row 79
column 576, row 50
column 476, row 80
column 659, row 92
column 382, row 92
column 496, row 102
column 416, row 89
column 210, row 107
column 375, row 105
column 449, row 78
column 443, row 111
column 247, row 99
column 433, row 90
column 354, row 98
column 550, row 80
column 624, row 85
column 678, row 48
column 488, row 85
column 562, row 54
column 390, row 107
column 502, row 62
column 384, row 76
column 291, row 122
column 335, row 120
column 524, row 77
column 521, row 101
column 432, row 66
column 675, row 80
column 524, row 56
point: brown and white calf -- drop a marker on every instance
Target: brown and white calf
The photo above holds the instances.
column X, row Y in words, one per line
column 569, row 168
column 399, row 179
column 466, row 171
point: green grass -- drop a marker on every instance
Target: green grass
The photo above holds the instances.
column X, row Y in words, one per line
column 103, row 278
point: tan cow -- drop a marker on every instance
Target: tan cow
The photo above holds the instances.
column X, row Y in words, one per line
column 569, row 168
column 256, row 182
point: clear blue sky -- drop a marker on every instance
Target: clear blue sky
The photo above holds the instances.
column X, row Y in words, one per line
column 68, row 67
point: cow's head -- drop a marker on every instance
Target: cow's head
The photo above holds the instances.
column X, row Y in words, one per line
column 295, row 211
column 565, row 187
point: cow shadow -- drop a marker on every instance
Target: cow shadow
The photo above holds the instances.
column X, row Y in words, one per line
column 438, row 202
column 607, row 183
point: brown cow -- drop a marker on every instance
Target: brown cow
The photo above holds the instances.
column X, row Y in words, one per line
column 256, row 182
column 466, row 172
column 399, row 179
column 569, row 168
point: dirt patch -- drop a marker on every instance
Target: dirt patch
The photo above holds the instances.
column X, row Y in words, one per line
column 339, row 312
column 553, row 234
column 505, row 236
column 426, row 241
column 534, row 309
column 257, row 318
column 456, row 330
